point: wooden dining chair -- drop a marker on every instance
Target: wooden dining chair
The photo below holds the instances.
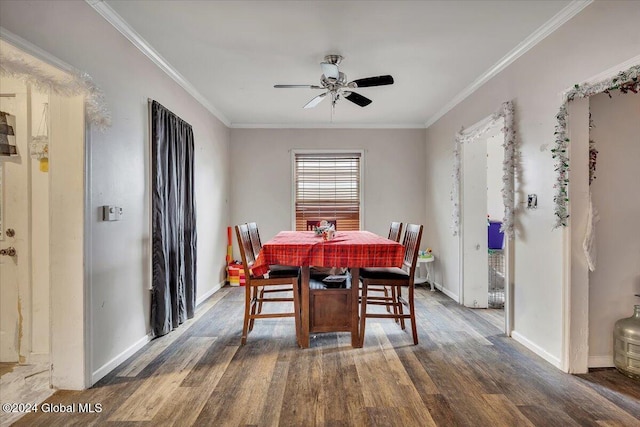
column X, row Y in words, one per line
column 254, row 297
column 274, row 270
column 256, row 245
column 312, row 224
column 395, row 278
column 388, row 293
column 394, row 231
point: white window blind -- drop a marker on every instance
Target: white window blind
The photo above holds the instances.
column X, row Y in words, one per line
column 327, row 186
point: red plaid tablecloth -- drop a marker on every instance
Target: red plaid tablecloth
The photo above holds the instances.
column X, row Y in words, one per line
column 346, row 249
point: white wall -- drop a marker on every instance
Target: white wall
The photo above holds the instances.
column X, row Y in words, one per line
column 118, row 173
column 601, row 36
column 68, row 294
column 394, row 174
column 616, row 196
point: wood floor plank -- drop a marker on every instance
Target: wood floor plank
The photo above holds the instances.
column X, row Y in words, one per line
column 383, row 379
column 147, row 401
column 547, row 415
column 184, row 405
column 303, row 402
column 463, row 372
column 504, row 412
column 341, row 388
column 157, row 346
column 241, row 394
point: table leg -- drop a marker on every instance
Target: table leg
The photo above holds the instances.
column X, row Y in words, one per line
column 304, row 307
column 355, row 308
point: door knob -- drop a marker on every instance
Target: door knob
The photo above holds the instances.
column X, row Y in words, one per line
column 10, row 251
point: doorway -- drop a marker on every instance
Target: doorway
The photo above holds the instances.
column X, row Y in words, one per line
column 485, row 254
column 24, row 244
column 573, row 125
column 614, row 279
column 47, row 222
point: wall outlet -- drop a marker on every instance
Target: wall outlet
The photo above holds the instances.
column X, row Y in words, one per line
column 532, row 201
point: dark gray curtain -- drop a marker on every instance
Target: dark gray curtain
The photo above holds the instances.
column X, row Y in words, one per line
column 174, row 221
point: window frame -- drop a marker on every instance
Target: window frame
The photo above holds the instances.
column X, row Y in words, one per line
column 361, row 152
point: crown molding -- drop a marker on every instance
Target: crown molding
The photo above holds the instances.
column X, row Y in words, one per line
column 327, row 126
column 34, row 51
column 571, row 10
column 112, row 17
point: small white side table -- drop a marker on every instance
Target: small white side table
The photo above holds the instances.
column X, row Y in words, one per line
column 423, row 263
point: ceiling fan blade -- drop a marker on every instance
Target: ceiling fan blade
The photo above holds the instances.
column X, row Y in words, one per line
column 357, row 99
column 374, row 81
column 298, row 86
column 329, row 70
column 315, row 101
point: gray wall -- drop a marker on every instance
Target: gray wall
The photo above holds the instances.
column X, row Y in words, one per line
column 261, row 186
column 600, row 37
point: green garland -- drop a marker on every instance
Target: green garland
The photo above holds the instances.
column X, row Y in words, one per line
column 625, row 81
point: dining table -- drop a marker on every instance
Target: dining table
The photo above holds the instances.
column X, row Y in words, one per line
column 330, row 310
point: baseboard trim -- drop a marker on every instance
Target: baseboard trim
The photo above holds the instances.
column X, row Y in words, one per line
column 605, row 361
column 113, row 363
column 207, row 294
column 555, row 361
column 447, row 292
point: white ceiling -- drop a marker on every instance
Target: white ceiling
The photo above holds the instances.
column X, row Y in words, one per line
column 231, row 53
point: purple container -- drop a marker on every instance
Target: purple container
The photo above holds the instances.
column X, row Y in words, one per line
column 496, row 237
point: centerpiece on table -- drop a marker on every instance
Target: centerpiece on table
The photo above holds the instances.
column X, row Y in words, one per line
column 326, row 230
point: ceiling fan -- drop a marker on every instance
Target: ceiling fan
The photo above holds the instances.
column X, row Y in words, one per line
column 335, row 83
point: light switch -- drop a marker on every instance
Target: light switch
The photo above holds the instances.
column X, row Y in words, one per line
column 532, row 201
column 111, row 213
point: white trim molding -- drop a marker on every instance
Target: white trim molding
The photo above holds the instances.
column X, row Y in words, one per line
column 571, row 10
column 447, row 292
column 99, row 373
column 327, row 126
column 504, row 115
column 207, row 294
column 555, row 361
column 601, row 361
column 112, row 17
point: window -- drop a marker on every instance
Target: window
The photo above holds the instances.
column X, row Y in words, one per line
column 327, row 186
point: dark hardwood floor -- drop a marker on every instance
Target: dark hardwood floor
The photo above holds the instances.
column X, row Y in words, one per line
column 464, row 372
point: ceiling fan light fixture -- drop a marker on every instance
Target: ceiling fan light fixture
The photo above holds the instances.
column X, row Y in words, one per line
column 336, row 84
column 330, row 70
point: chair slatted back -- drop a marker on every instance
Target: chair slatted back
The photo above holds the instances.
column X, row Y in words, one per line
column 313, row 223
column 256, row 244
column 394, row 231
column 411, row 243
column 246, row 248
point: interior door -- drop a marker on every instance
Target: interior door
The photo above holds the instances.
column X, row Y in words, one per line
column 475, row 269
column 14, row 225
